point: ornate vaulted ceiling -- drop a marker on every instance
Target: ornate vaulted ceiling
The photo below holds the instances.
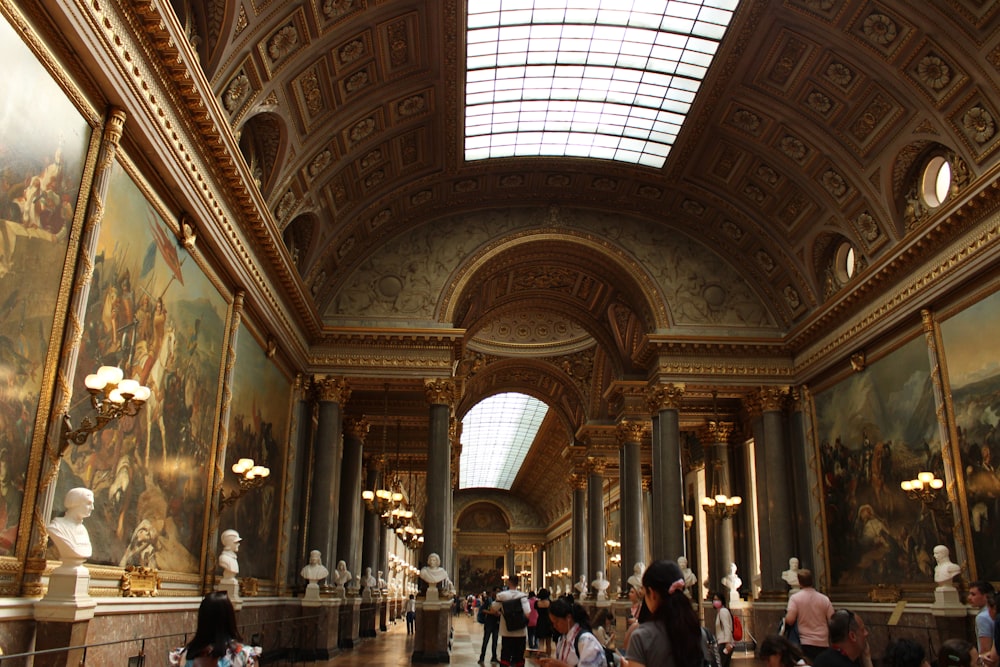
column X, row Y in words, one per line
column 334, row 130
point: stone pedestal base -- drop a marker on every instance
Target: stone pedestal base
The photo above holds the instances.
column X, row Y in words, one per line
column 232, row 589
column 383, row 615
column 349, row 623
column 68, row 598
column 367, row 619
column 432, row 633
column 947, row 602
column 312, row 598
column 53, row 635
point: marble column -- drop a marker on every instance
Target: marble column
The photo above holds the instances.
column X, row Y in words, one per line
column 333, row 394
column 299, row 439
column 537, row 567
column 595, row 518
column 579, row 482
column 630, row 435
column 799, row 445
column 666, row 525
column 774, row 497
column 721, row 551
column 371, row 540
column 510, row 563
column 442, row 396
column 350, row 505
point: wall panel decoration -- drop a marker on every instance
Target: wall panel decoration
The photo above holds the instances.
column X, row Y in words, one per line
column 258, row 429
column 158, row 314
column 875, row 429
column 974, row 377
column 43, row 146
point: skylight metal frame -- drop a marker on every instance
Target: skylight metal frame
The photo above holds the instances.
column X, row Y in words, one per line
column 611, row 79
column 496, row 435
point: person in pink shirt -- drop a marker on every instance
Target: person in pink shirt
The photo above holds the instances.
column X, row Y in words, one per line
column 811, row 611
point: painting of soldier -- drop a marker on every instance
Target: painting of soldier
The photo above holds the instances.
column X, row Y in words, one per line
column 43, row 147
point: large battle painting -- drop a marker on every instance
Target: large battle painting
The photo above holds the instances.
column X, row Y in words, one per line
column 876, row 429
column 153, row 312
column 43, row 144
column 974, row 376
column 258, row 429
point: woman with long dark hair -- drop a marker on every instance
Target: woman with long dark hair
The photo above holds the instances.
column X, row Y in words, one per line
column 672, row 637
column 217, row 640
column 777, row 651
column 577, row 645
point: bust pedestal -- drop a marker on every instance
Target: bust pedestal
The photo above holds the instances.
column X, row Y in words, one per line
column 68, row 597
column 947, row 602
column 311, row 598
column 232, row 589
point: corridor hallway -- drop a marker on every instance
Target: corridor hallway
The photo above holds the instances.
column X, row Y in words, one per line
column 393, row 648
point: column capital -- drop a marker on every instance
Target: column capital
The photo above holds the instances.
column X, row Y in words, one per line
column 578, row 481
column 596, row 464
column 716, row 432
column 631, row 431
column 664, row 397
column 771, row 399
column 799, row 396
column 441, row 391
column 331, row 389
column 356, row 427
column 647, row 484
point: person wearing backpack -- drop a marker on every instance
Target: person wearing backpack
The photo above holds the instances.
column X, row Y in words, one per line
column 577, row 644
column 514, row 609
column 723, row 629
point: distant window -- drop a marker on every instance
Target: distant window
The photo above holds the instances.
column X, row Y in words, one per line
column 845, row 263
column 936, row 181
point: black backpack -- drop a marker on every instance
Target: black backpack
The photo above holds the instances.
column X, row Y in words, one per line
column 609, row 654
column 514, row 614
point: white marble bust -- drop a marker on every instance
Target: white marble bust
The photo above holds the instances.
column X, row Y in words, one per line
column 68, row 532
column 601, row 584
column 314, row 571
column 228, row 560
column 342, row 575
column 635, row 579
column 733, row 582
column 945, row 570
column 791, row 575
column 434, row 574
column 581, row 587
column 690, row 579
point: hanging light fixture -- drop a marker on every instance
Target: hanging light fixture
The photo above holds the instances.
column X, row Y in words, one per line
column 718, row 504
column 379, row 499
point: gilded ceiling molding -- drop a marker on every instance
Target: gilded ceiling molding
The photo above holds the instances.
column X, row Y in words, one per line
column 357, row 427
column 441, row 392
column 664, row 397
column 892, row 301
column 330, row 389
column 195, row 129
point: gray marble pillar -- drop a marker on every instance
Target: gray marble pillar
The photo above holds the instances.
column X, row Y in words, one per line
column 666, row 525
column 579, row 482
column 350, row 505
column 595, row 518
column 630, row 436
column 442, row 396
column 798, row 445
column 721, row 550
column 373, row 531
column 323, row 509
column 774, row 497
column 299, row 439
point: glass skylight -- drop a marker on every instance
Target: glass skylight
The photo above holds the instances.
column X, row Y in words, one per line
column 496, row 435
column 610, row 79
